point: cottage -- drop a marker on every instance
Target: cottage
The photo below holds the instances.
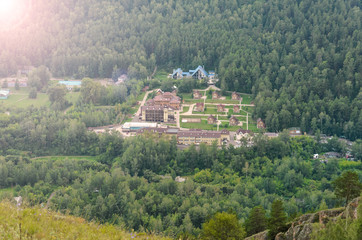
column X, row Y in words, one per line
column 260, row 124
column 197, row 94
column 211, row 120
column 235, row 96
column 233, row 121
column 199, row 107
column 198, row 73
column 221, row 108
column 294, row 132
column 242, row 133
column 216, row 95
column 236, row 108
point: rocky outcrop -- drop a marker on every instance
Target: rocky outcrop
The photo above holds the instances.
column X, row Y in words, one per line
column 259, row 236
column 301, row 228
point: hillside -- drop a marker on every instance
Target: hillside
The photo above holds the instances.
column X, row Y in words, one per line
column 38, row 223
column 300, row 59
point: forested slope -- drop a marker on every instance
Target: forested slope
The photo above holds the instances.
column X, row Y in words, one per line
column 300, row 59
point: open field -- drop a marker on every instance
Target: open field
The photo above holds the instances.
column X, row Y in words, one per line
column 20, row 99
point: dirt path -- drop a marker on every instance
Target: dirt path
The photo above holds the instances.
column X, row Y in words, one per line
column 49, row 199
column 141, row 105
column 189, row 112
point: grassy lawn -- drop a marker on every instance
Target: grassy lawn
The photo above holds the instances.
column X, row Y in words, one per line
column 190, row 101
column 246, row 99
column 186, row 96
column 185, row 109
column 248, row 109
column 203, row 125
column 161, row 75
column 72, row 97
column 140, row 96
column 20, row 99
column 209, row 110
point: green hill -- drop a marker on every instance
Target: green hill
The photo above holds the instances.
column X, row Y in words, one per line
column 38, row 223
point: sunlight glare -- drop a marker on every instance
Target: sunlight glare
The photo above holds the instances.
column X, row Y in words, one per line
column 7, row 7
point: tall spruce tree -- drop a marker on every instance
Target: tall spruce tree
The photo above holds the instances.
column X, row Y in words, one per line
column 257, row 221
column 277, row 220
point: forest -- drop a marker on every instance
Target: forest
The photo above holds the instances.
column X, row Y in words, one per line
column 301, row 60
column 130, row 182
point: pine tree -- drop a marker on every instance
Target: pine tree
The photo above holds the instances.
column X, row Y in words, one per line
column 256, row 222
column 277, row 220
column 347, row 186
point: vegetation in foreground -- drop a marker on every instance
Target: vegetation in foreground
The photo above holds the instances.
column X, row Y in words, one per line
column 38, row 223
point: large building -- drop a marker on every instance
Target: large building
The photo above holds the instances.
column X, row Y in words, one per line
column 192, row 136
column 197, row 136
column 165, row 99
column 198, row 73
column 158, row 113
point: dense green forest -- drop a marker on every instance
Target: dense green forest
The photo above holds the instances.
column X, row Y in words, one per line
column 300, row 59
column 131, row 181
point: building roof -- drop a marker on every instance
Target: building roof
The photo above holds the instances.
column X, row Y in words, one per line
column 138, row 124
column 154, row 107
column 201, row 69
column 243, row 131
column 158, row 130
column 199, row 134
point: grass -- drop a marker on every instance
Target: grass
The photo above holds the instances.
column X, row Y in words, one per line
column 203, row 125
column 19, row 98
column 161, row 75
column 72, row 97
column 246, row 99
column 140, row 96
column 185, row 109
column 38, row 223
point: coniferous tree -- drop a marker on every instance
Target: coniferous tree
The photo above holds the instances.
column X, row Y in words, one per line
column 277, row 220
column 256, row 222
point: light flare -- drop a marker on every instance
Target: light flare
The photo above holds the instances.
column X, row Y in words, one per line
column 13, row 12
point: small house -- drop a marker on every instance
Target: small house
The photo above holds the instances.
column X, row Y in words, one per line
column 216, row 95
column 235, row 96
column 233, row 121
column 294, row 132
column 200, row 107
column 221, row 108
column 236, row 108
column 197, row 94
column 260, row 124
column 211, row 119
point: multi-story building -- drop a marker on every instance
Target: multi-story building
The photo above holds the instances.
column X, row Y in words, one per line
column 197, row 136
column 158, row 113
